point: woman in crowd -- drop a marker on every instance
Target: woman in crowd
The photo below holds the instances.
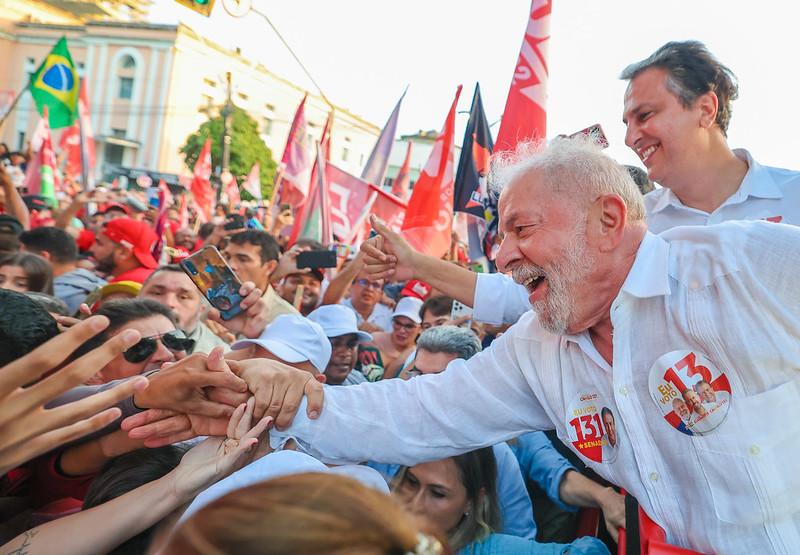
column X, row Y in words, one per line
column 26, row 272
column 305, row 513
column 161, row 340
column 459, row 495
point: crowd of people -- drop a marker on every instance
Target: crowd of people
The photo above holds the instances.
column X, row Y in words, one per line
column 635, row 342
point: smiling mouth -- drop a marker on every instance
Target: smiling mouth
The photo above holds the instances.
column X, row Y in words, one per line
column 533, row 283
column 648, row 152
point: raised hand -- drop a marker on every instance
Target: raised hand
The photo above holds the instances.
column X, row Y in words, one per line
column 388, row 255
column 27, row 428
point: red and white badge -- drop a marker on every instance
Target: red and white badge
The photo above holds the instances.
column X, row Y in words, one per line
column 592, row 428
column 692, row 393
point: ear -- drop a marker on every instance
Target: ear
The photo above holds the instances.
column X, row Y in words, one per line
column 270, row 266
column 123, row 253
column 708, row 104
column 606, row 222
column 46, row 255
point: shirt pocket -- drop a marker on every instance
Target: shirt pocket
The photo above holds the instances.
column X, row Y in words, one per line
column 750, row 461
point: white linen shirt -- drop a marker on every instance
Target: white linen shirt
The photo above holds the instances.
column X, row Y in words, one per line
column 729, row 292
column 766, row 193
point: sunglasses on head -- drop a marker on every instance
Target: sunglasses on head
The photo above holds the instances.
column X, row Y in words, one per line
column 173, row 340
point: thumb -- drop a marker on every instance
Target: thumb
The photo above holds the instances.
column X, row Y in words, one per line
column 381, row 228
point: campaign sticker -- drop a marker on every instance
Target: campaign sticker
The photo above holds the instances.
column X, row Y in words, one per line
column 692, row 393
column 592, row 428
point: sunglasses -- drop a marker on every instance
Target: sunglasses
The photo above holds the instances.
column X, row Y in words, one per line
column 173, row 340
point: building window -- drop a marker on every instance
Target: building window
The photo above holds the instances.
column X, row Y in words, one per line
column 126, row 88
column 267, row 129
column 20, row 140
column 118, row 133
column 242, row 95
column 128, row 62
column 345, row 154
column 361, row 159
column 209, row 82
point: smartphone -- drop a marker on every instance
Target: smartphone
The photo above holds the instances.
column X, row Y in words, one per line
column 215, row 280
column 316, row 259
column 595, row 132
column 459, row 310
column 234, row 221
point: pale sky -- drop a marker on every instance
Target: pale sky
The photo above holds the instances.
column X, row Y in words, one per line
column 364, row 53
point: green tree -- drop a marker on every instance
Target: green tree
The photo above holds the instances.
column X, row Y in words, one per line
column 247, row 148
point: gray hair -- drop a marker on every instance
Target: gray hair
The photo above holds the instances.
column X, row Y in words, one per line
column 692, row 71
column 461, row 342
column 576, row 167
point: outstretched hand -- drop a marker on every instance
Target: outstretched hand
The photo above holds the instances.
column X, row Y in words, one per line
column 27, row 428
column 217, row 457
column 387, row 255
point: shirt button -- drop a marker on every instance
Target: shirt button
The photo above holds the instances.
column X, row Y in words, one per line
column 754, row 450
column 654, row 476
column 623, row 391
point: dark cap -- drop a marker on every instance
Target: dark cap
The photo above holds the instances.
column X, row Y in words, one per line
column 9, row 224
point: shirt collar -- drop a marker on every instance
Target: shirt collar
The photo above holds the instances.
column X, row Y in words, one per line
column 649, row 275
column 757, row 182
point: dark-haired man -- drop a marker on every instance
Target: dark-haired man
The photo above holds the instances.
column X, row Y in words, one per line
column 253, row 256
column 123, row 250
column 70, row 284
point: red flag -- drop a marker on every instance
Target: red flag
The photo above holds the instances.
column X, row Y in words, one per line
column 402, row 183
column 165, row 194
column 41, row 177
column 183, row 212
column 252, row 184
column 525, row 115
column 429, row 218
column 232, row 191
column 304, row 212
column 296, row 162
column 70, row 142
column 201, row 183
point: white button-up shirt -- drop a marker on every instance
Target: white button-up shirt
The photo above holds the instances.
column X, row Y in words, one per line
column 734, row 490
column 771, row 194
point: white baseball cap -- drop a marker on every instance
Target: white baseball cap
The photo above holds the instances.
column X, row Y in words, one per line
column 336, row 320
column 293, row 338
column 409, row 307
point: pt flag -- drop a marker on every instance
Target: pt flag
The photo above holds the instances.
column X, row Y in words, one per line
column 296, row 161
column 429, row 218
column 525, row 115
column 315, row 221
column 375, row 170
column 55, row 85
column 402, row 182
column 201, row 182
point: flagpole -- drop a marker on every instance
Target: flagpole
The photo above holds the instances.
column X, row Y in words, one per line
column 14, row 104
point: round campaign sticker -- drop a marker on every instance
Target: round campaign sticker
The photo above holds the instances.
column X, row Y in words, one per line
column 592, row 428
column 693, row 395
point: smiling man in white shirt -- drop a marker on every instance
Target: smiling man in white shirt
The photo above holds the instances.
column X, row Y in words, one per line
column 622, row 319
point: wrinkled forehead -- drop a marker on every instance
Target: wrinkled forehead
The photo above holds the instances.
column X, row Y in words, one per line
column 523, row 199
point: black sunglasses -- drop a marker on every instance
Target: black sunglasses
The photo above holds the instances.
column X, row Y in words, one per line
column 144, row 349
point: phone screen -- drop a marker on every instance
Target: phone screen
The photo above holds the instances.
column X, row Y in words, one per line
column 215, row 279
column 316, row 259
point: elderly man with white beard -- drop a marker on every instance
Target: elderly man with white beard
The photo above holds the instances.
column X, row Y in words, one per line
column 623, row 320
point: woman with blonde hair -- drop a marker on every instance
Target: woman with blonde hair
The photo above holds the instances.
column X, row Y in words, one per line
column 310, row 513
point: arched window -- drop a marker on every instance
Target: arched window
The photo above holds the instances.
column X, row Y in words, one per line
column 127, row 68
column 128, row 62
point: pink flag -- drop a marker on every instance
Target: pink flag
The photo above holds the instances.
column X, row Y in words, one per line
column 402, row 183
column 429, row 218
column 302, row 214
column 252, row 184
column 232, row 191
column 201, row 183
column 375, row 170
column 525, row 115
column 296, row 161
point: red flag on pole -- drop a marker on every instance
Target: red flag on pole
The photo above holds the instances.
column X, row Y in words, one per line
column 232, row 192
column 525, row 115
column 402, row 183
column 70, row 142
column 41, row 177
column 429, row 218
column 296, row 161
column 305, row 210
column 201, row 182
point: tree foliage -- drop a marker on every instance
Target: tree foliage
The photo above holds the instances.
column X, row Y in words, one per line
column 247, row 148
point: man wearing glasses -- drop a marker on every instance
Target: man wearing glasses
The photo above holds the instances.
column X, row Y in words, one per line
column 365, row 297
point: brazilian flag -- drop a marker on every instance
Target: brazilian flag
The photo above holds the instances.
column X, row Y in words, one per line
column 55, row 85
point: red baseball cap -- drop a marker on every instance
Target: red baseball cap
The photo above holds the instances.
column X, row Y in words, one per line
column 416, row 288
column 135, row 235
